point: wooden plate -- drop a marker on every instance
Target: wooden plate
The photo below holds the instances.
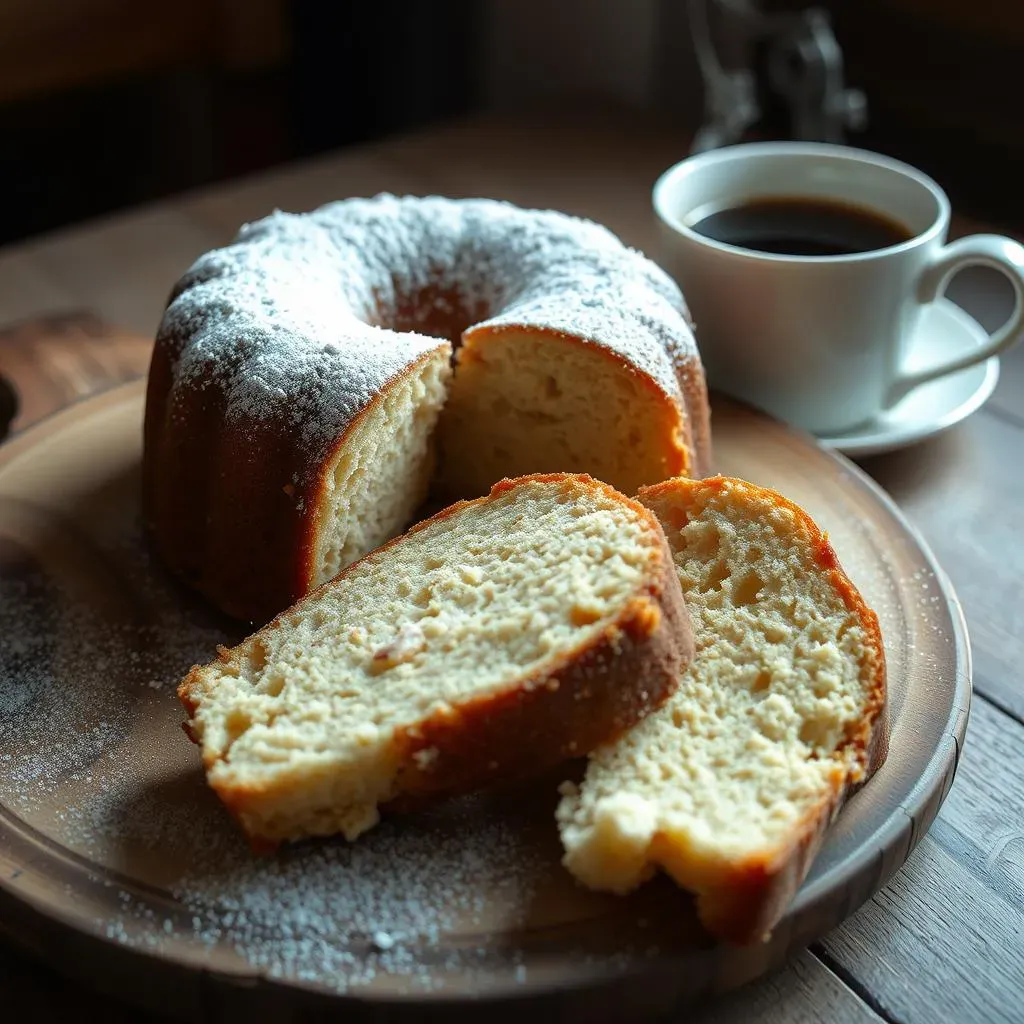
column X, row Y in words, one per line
column 118, row 866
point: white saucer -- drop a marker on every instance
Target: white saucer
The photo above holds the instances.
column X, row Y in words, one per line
column 945, row 330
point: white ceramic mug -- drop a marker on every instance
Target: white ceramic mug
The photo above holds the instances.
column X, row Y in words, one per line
column 820, row 341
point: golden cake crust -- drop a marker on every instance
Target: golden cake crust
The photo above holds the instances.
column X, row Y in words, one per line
column 587, row 694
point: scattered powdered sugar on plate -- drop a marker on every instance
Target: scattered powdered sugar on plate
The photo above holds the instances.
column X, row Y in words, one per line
column 92, row 755
column 72, row 680
column 340, row 914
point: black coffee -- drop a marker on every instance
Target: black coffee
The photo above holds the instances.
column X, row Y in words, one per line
column 803, row 227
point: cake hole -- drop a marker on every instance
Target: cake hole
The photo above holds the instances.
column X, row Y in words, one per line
column 236, row 723
column 762, row 681
column 257, row 659
column 716, row 575
column 551, row 388
column 584, row 615
column 814, row 732
column 703, row 541
column 273, row 684
column 745, row 592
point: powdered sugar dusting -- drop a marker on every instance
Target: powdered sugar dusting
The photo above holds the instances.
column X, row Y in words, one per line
column 73, row 680
column 340, row 912
column 290, row 323
column 276, row 325
column 92, row 754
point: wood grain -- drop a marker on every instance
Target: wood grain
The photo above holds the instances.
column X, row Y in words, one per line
column 806, row 992
column 962, row 493
column 48, row 364
column 983, row 825
column 945, row 940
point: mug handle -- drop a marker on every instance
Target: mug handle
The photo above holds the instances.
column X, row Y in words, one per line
column 995, row 251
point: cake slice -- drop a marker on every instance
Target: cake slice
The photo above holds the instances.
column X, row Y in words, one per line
column 488, row 643
column 732, row 783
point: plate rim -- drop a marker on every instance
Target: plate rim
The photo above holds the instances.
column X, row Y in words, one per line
column 254, row 980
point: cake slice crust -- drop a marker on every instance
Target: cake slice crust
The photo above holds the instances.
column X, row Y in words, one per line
column 486, row 644
column 731, row 785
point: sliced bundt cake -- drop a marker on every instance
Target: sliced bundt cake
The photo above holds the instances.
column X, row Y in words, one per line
column 732, row 783
column 300, row 385
column 487, row 643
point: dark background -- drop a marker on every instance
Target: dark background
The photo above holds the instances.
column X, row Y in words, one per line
column 108, row 103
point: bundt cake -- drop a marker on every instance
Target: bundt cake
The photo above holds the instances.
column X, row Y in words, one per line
column 730, row 785
column 302, row 379
column 489, row 642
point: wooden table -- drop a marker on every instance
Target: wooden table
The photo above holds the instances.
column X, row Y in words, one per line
column 945, row 940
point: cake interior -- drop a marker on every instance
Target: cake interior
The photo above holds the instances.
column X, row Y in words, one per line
column 528, row 402
column 516, row 402
column 310, row 706
column 381, row 475
column 755, row 737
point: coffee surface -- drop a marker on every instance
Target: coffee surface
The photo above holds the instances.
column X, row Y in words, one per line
column 798, row 226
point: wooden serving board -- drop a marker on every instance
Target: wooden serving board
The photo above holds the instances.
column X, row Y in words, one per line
column 118, row 866
column 48, row 364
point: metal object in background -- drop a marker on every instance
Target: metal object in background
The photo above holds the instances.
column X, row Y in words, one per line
column 730, row 95
column 805, row 66
column 804, row 69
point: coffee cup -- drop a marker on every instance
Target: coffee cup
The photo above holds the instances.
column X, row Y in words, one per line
column 825, row 340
